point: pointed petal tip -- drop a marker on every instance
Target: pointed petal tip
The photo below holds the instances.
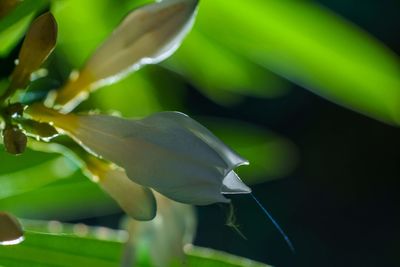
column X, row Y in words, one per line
column 244, row 162
column 232, row 184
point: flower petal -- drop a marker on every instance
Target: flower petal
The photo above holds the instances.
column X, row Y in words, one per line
column 147, row 35
column 232, row 184
column 137, row 201
column 184, row 121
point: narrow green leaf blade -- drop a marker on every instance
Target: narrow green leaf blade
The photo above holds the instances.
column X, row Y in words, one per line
column 68, row 249
column 219, row 71
column 35, row 177
column 10, row 36
column 312, row 47
column 68, row 199
column 14, row 24
column 62, row 250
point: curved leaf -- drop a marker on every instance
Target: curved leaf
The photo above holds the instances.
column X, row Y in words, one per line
column 312, row 47
column 100, row 247
column 15, row 23
column 35, row 177
column 222, row 74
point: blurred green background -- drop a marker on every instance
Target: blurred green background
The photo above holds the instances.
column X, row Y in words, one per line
column 308, row 91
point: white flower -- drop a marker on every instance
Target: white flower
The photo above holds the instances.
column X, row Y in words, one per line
column 167, row 151
column 147, row 35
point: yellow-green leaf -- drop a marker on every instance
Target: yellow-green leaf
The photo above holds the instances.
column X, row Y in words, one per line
column 312, row 47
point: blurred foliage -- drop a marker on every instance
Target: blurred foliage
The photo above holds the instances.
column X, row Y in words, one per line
column 310, row 46
column 15, row 21
column 56, row 244
column 74, row 198
column 237, row 49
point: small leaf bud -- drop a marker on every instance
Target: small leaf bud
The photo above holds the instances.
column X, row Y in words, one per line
column 14, row 140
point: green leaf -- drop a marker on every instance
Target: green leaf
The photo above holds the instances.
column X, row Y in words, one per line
column 10, row 36
column 89, row 31
column 29, row 159
column 68, row 199
column 152, row 89
column 80, row 245
column 14, row 24
column 137, row 88
column 97, row 19
column 35, row 177
column 312, row 47
column 20, row 11
column 48, row 249
column 222, row 74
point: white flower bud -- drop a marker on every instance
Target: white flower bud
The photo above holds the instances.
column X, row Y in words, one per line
column 147, row 35
column 167, row 151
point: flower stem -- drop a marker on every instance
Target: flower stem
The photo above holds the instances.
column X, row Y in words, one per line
column 41, row 113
